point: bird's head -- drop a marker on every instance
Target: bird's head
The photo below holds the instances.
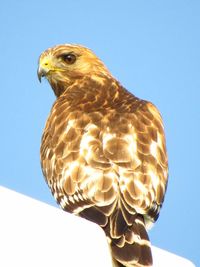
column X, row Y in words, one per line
column 62, row 65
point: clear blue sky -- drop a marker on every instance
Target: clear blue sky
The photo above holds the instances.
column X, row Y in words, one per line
column 152, row 47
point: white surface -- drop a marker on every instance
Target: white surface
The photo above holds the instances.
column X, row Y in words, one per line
column 35, row 234
column 163, row 258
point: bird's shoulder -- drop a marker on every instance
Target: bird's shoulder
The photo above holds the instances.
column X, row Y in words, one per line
column 108, row 107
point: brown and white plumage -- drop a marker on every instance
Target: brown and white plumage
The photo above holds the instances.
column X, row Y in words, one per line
column 103, row 151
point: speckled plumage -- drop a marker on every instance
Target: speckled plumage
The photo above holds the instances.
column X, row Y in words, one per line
column 103, row 152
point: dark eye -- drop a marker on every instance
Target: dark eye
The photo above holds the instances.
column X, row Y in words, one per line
column 69, row 58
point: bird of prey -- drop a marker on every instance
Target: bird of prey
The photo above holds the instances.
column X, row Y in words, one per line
column 103, row 151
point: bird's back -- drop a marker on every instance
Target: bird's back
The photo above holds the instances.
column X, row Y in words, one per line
column 103, row 155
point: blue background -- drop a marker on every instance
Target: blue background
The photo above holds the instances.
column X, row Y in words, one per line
column 152, row 47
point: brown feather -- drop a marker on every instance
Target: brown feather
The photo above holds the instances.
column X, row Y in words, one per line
column 103, row 152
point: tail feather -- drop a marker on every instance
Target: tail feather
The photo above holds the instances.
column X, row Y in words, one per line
column 126, row 233
column 133, row 247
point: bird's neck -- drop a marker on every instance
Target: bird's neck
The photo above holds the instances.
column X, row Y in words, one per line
column 58, row 88
column 92, row 84
column 91, row 94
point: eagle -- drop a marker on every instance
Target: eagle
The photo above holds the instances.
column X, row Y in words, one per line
column 103, row 151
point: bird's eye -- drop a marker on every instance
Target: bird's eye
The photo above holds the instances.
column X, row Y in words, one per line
column 69, row 58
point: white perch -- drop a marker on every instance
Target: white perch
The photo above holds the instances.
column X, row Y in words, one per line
column 33, row 233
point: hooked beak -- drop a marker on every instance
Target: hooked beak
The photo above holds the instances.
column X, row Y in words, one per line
column 44, row 67
column 41, row 72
